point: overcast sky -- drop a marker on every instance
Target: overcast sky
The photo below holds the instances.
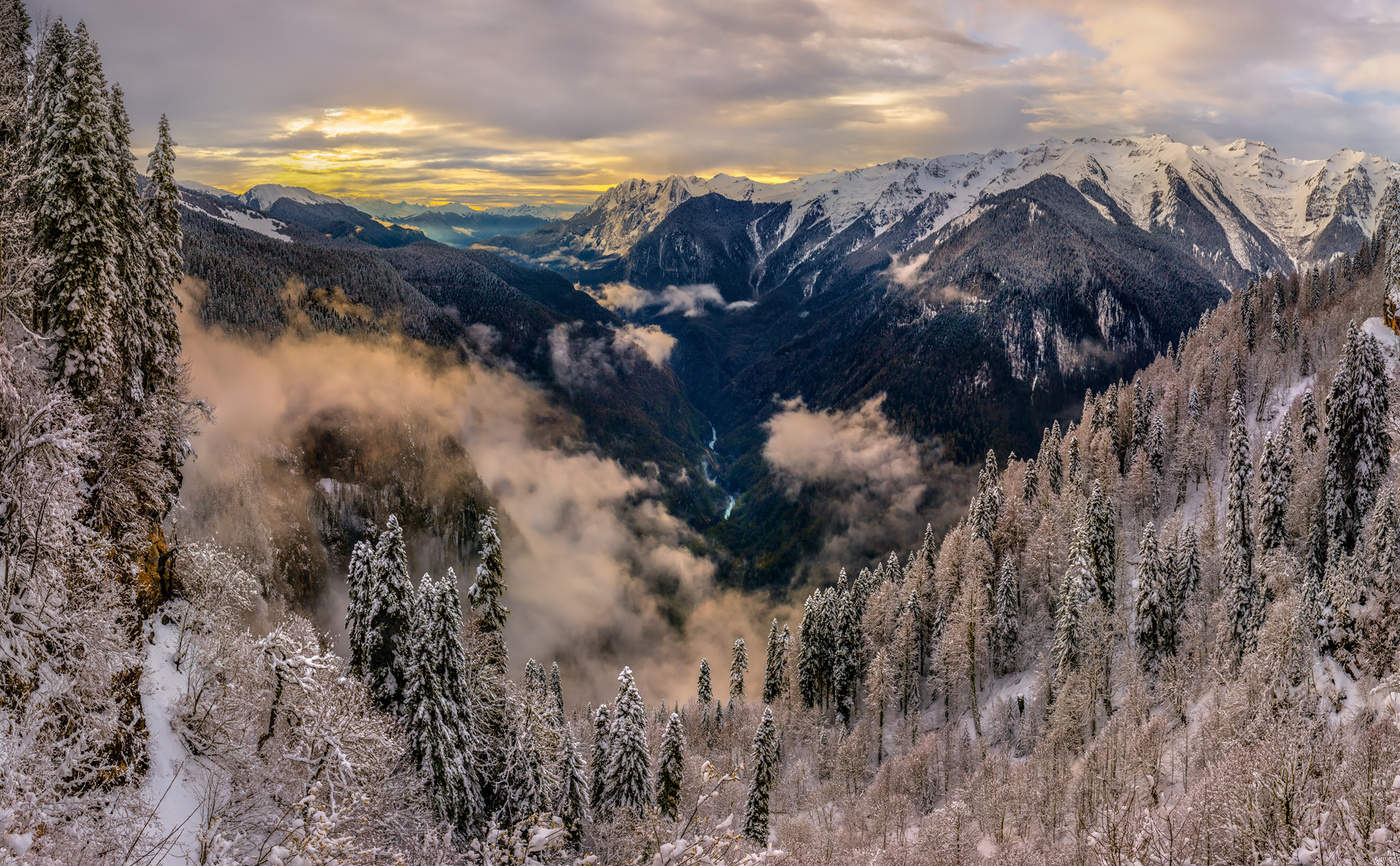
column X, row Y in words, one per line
column 505, row 101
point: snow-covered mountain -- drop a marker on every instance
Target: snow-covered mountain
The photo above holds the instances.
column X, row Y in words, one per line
column 1273, row 210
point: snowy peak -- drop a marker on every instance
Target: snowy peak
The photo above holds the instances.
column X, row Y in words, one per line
column 1272, row 211
column 265, row 195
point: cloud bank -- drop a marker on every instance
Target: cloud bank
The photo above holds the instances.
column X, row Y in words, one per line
column 878, row 487
column 587, row 542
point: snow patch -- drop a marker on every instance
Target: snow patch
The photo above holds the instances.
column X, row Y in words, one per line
column 173, row 783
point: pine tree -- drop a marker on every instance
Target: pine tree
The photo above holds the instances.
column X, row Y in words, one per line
column 439, row 724
column 1102, row 546
column 773, row 672
column 1054, row 470
column 738, row 665
column 556, row 692
column 359, row 586
column 1186, row 568
column 628, row 783
column 490, row 586
column 1030, row 483
column 1358, row 443
column 850, row 645
column 703, row 690
column 389, row 619
column 572, row 803
column 1006, row 624
column 986, row 504
column 1245, row 593
column 1310, row 596
column 765, row 772
column 1155, row 612
column 602, row 737
column 14, row 76
column 160, row 359
column 1275, row 487
column 1307, row 414
column 670, row 769
column 1075, row 593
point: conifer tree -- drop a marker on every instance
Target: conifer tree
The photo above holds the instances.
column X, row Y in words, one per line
column 486, row 593
column 1244, row 591
column 1054, row 470
column 1006, row 624
column 1358, row 443
column 14, row 75
column 72, row 190
column 388, row 619
column 602, row 737
column 850, row 643
column 773, row 672
column 906, row 651
column 1186, row 568
column 1030, row 482
column 160, row 358
column 1075, row 592
column 1155, row 612
column 765, row 772
column 572, row 803
column 438, row 722
column 986, row 505
column 628, row 783
column 1101, row 535
column 1307, row 414
column 358, row 586
column 1275, row 487
column 670, row 769
column 738, row 665
column 703, row 689
column 556, row 692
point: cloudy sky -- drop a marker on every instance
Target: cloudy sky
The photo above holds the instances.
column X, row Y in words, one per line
column 553, row 100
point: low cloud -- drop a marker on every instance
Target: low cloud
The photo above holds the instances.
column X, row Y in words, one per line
column 876, row 486
column 600, row 573
column 690, row 300
column 653, row 342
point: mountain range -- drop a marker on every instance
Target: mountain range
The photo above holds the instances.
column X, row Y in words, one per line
column 976, row 296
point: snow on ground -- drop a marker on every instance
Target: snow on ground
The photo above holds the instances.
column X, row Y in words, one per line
column 1389, row 340
column 266, row 226
column 174, row 782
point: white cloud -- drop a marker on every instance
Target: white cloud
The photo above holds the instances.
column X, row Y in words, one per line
column 690, row 300
column 653, row 342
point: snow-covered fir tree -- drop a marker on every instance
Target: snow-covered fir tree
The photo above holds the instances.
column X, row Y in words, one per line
column 1155, row 610
column 1245, row 592
column 1006, row 624
column 670, row 767
column 774, row 670
column 1307, row 415
column 571, row 804
column 764, row 754
column 487, row 592
column 359, row 584
column 1358, row 443
column 71, row 191
column 437, row 712
column 986, row 505
column 1275, row 489
column 704, row 689
column 602, row 739
column 738, row 666
column 388, row 620
column 1102, row 545
column 1076, row 590
column 627, row 785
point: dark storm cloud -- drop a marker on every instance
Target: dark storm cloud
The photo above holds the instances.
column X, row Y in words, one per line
column 538, row 101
